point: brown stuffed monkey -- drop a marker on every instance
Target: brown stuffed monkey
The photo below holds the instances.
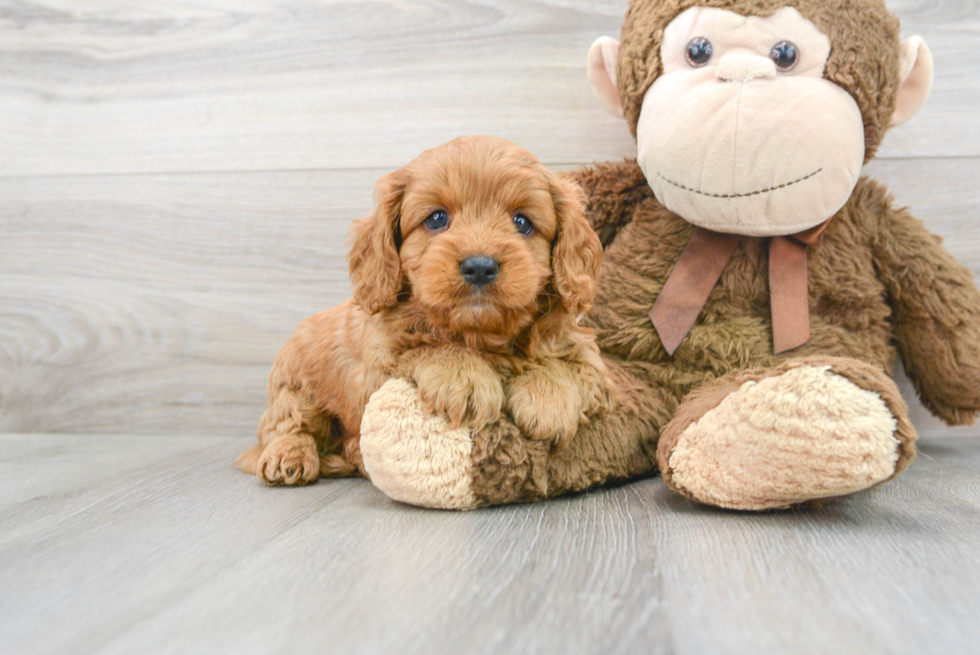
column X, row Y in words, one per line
column 756, row 288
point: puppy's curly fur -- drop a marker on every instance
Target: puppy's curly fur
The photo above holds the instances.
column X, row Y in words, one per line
column 473, row 350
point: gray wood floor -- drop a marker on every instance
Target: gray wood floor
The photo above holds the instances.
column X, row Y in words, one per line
column 122, row 544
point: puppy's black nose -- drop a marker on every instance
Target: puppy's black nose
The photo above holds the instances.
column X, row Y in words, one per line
column 479, row 270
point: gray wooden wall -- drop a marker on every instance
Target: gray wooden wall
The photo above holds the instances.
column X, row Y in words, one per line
column 176, row 178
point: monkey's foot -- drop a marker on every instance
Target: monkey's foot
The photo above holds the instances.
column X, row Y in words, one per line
column 809, row 429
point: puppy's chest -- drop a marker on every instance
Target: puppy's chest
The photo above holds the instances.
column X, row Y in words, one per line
column 508, row 365
column 505, row 364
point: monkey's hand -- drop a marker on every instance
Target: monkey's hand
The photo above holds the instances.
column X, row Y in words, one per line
column 936, row 313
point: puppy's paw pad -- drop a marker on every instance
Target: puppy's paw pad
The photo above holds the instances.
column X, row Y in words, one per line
column 289, row 461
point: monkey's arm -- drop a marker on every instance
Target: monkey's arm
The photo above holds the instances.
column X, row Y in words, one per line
column 612, row 191
column 936, row 312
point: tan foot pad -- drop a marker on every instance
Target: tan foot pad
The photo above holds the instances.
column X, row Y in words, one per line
column 802, row 435
column 413, row 457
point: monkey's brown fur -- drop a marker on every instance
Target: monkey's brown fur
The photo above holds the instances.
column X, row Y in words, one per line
column 879, row 283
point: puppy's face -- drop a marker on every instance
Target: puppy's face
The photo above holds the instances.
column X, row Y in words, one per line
column 476, row 237
column 479, row 230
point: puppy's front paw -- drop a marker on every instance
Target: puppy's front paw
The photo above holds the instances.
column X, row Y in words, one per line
column 289, row 460
column 470, row 394
column 597, row 392
column 545, row 407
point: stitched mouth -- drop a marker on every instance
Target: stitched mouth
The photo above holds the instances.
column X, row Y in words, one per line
column 738, row 195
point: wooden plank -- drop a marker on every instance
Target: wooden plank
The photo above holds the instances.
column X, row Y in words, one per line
column 209, row 85
column 161, row 301
column 184, row 555
column 47, row 478
column 876, row 573
column 156, row 304
column 109, row 539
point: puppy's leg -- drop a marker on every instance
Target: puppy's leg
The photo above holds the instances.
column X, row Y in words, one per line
column 596, row 389
column 286, row 452
column 455, row 383
column 298, row 441
column 544, row 401
column 549, row 400
column 344, row 456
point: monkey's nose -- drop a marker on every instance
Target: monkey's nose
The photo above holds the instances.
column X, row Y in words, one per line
column 479, row 270
column 742, row 68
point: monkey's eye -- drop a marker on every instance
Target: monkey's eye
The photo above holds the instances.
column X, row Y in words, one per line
column 523, row 224
column 785, row 55
column 698, row 51
column 437, row 220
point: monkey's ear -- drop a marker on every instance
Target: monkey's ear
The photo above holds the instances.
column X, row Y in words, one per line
column 915, row 73
column 373, row 261
column 603, row 56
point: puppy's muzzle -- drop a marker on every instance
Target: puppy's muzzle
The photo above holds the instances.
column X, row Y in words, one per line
column 479, row 270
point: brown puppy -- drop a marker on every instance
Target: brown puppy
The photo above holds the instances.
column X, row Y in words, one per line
column 467, row 279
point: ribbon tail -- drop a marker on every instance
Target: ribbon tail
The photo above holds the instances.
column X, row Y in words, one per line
column 788, row 294
column 690, row 283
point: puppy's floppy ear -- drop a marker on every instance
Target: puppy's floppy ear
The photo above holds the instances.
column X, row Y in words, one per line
column 373, row 260
column 576, row 254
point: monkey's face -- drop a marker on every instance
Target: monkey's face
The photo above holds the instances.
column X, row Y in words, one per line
column 740, row 133
column 758, row 124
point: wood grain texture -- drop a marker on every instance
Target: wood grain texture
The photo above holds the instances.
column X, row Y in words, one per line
column 156, row 304
column 122, row 544
column 160, row 302
column 139, row 301
column 213, row 85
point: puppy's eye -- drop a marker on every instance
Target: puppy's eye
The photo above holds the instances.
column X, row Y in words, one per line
column 437, row 220
column 698, row 52
column 523, row 224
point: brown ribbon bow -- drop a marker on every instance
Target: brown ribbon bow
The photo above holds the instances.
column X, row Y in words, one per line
column 699, row 268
